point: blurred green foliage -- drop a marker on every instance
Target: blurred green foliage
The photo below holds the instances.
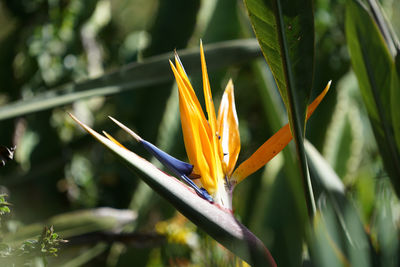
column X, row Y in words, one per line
column 59, row 170
column 29, row 251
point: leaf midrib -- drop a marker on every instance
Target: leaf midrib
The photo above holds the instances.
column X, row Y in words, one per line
column 293, row 110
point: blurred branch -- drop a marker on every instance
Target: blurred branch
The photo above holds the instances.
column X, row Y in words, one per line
column 137, row 240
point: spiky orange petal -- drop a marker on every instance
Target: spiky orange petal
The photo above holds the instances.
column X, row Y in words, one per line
column 272, row 146
column 196, row 132
column 113, row 139
column 216, row 166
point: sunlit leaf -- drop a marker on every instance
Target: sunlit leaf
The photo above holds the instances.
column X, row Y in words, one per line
column 285, row 31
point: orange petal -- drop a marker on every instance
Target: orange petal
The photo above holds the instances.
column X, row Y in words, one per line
column 212, row 119
column 196, row 133
column 272, row 146
column 113, row 140
column 263, row 154
column 228, row 130
column 186, row 84
column 317, row 100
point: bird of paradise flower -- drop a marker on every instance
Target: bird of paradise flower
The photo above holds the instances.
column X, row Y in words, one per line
column 213, row 143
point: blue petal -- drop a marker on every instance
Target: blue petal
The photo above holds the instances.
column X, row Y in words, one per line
column 177, row 167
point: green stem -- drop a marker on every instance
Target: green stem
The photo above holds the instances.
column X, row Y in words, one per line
column 295, row 124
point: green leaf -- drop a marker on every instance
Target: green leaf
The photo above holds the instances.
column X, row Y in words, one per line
column 152, row 71
column 329, row 191
column 345, row 138
column 86, row 255
column 283, row 221
column 338, row 230
column 395, row 96
column 285, row 31
column 384, row 28
column 372, row 64
column 217, row 222
column 324, row 177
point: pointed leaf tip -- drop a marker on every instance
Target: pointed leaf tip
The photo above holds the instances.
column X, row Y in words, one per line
column 84, row 126
column 126, row 129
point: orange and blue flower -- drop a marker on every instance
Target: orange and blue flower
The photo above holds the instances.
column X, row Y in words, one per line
column 213, row 143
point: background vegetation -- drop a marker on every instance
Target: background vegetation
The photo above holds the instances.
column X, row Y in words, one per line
column 59, row 56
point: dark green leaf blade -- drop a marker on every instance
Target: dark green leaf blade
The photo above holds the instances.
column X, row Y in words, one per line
column 395, row 96
column 285, row 31
column 372, row 64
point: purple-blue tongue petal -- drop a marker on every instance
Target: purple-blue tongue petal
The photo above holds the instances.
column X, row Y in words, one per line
column 176, row 166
